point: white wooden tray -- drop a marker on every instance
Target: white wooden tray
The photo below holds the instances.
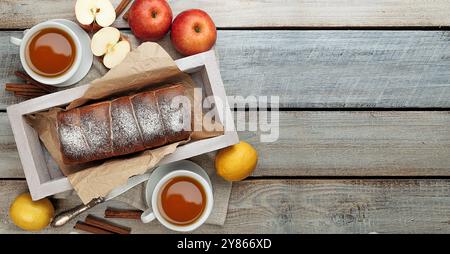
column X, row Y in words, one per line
column 42, row 174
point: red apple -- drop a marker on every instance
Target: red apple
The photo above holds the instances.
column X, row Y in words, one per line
column 150, row 20
column 193, row 31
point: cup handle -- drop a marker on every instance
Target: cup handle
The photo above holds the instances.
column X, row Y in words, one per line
column 147, row 216
column 15, row 41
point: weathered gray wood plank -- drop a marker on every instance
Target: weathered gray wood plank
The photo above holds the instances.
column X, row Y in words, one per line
column 329, row 144
column 302, row 206
column 352, row 143
column 10, row 165
column 339, row 68
column 270, row 13
column 315, row 69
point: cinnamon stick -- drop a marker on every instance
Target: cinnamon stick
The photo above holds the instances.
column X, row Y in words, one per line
column 25, row 97
column 90, row 229
column 31, row 81
column 121, row 7
column 29, row 93
column 106, row 225
column 17, row 87
column 24, row 90
column 125, row 16
column 122, row 214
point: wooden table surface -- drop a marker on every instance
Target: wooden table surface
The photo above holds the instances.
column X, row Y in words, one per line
column 364, row 92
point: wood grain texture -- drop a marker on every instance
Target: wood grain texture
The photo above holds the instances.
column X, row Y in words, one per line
column 300, row 206
column 268, row 13
column 10, row 166
column 358, row 143
column 329, row 144
column 314, row 69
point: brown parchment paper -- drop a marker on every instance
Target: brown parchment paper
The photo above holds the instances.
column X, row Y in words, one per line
column 148, row 65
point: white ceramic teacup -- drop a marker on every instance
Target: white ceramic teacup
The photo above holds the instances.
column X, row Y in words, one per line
column 23, row 43
column 158, row 180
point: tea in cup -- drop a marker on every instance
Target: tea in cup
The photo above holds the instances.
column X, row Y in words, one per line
column 181, row 199
column 50, row 52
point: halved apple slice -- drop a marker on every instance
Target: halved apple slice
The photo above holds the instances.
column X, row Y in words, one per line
column 109, row 43
column 90, row 13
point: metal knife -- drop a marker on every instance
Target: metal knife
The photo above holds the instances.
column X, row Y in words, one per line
column 64, row 217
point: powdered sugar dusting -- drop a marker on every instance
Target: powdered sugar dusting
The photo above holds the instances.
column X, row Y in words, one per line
column 123, row 126
column 172, row 117
column 125, row 131
column 71, row 137
column 95, row 126
column 174, row 108
column 148, row 117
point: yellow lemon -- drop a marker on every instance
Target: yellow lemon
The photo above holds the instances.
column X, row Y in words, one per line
column 31, row 215
column 236, row 162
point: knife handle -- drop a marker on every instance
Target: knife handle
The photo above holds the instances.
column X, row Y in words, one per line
column 64, row 217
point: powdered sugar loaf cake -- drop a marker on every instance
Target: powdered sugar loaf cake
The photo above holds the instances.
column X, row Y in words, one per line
column 124, row 125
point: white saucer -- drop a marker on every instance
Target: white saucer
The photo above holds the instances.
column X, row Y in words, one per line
column 163, row 170
column 86, row 55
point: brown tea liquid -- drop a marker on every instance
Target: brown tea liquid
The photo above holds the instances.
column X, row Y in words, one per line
column 50, row 52
column 182, row 200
